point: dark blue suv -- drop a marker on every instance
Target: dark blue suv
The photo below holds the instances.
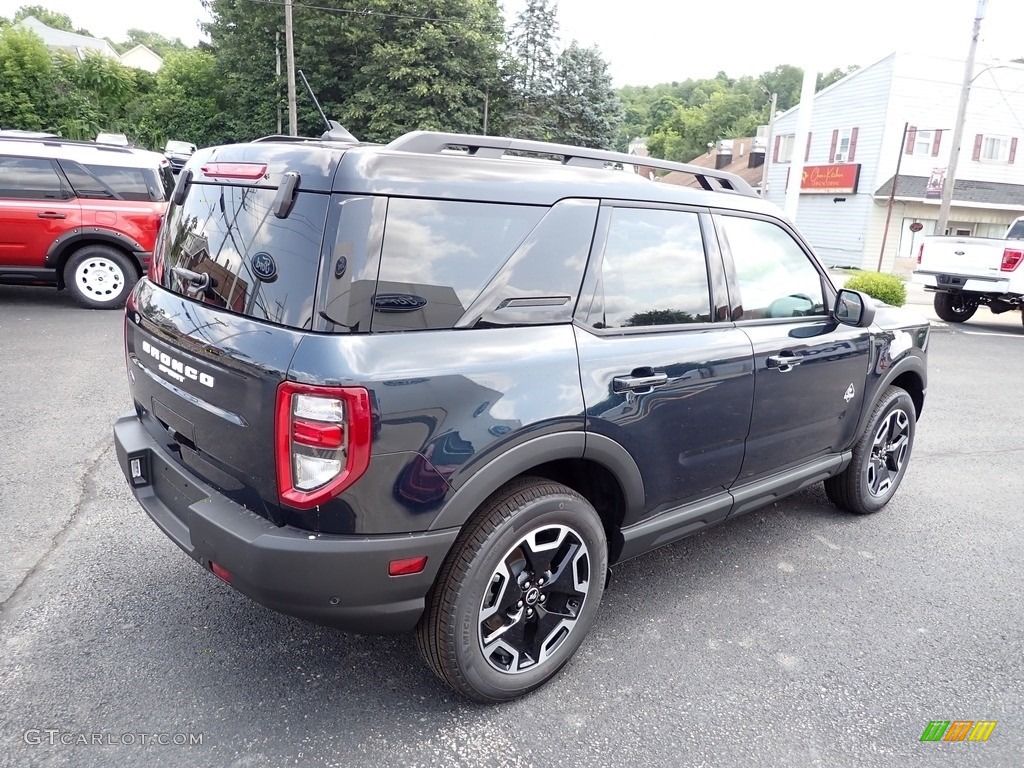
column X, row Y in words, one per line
column 440, row 385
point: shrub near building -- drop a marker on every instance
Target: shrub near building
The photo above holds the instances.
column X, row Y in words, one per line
column 887, row 288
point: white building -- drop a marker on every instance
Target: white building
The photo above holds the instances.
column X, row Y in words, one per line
column 901, row 110
column 139, row 57
column 75, row 44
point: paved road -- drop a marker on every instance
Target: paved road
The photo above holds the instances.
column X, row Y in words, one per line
column 794, row 636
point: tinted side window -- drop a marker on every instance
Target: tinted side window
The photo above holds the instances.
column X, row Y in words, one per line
column 28, row 178
column 252, row 262
column 110, row 182
column 439, row 254
column 129, row 183
column 654, row 271
column 776, row 276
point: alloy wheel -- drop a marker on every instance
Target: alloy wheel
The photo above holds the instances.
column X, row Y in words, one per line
column 888, row 452
column 534, row 598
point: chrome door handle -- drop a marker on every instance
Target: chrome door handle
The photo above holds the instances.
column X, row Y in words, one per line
column 624, row 383
column 784, row 363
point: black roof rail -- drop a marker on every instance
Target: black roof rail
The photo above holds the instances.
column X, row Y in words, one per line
column 56, row 141
column 431, row 142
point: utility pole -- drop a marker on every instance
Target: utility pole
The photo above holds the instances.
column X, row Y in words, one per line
column 768, row 145
column 289, row 43
column 892, row 195
column 277, row 70
column 958, row 127
column 803, row 129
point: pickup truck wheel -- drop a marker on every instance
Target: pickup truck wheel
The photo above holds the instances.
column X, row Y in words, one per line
column 100, row 277
column 518, row 592
column 954, row 307
column 880, row 457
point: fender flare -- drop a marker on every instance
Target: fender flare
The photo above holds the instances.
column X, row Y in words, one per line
column 909, row 364
column 514, row 461
column 69, row 242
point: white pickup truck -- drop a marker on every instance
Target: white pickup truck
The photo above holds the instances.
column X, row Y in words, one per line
column 965, row 272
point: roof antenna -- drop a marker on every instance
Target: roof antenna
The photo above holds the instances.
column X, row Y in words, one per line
column 334, row 131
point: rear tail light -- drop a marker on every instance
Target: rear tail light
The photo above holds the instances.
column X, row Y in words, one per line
column 1011, row 259
column 920, row 252
column 322, row 439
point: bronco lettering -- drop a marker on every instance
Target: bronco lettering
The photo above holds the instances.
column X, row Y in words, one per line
column 174, row 368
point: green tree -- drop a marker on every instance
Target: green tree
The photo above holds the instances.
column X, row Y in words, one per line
column 154, row 41
column 533, row 59
column 587, row 111
column 422, row 74
column 189, row 77
column 387, row 69
column 26, row 80
column 50, row 18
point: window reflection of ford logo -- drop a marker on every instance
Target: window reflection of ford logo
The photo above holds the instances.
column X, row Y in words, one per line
column 398, row 302
column 264, row 267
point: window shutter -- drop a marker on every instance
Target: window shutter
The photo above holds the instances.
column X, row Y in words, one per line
column 853, row 146
column 936, row 143
column 1013, row 149
column 911, row 138
column 832, row 149
column 807, row 152
column 977, row 147
column 775, row 152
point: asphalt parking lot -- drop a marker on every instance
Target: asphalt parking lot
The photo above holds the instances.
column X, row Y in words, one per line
column 794, row 636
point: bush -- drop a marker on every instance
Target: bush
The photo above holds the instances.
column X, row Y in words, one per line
column 887, row 288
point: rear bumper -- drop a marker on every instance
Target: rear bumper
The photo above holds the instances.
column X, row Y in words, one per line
column 340, row 581
column 949, row 282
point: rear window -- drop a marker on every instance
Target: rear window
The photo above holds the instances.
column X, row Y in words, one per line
column 1016, row 231
column 225, row 247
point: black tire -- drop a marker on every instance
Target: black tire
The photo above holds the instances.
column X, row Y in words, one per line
column 954, row 307
column 100, row 277
column 537, row 611
column 880, row 457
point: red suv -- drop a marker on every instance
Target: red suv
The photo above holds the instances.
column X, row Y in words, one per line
column 79, row 215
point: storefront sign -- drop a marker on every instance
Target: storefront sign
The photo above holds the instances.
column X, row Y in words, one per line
column 840, row 178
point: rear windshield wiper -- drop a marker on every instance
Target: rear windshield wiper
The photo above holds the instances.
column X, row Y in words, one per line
column 196, row 282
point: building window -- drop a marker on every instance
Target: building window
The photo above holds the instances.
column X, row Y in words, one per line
column 995, row 149
column 923, row 143
column 844, row 145
column 784, row 148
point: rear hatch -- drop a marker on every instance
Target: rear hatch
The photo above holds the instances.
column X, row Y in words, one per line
column 210, row 335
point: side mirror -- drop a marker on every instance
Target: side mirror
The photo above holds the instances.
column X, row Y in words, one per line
column 854, row 308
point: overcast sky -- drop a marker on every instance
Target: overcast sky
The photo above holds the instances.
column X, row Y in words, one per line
column 653, row 41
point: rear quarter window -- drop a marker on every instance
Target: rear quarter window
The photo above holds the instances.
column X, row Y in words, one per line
column 150, row 185
column 439, row 254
